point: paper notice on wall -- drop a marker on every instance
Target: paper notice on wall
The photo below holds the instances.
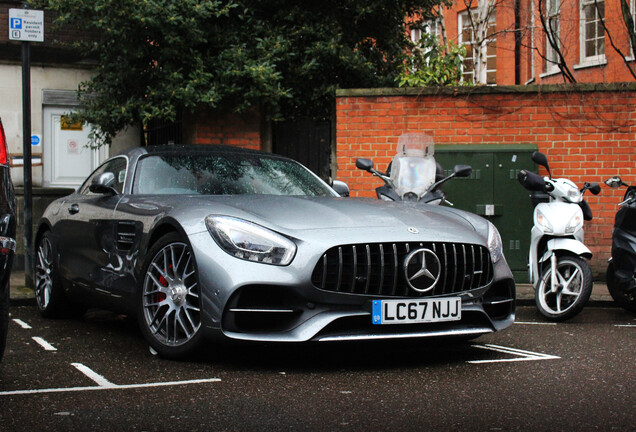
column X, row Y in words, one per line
column 72, row 147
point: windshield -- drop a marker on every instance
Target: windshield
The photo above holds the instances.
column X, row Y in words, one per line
column 413, row 167
column 225, row 174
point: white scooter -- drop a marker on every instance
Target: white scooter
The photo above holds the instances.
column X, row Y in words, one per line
column 560, row 275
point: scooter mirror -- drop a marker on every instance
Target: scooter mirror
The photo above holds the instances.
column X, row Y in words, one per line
column 614, row 182
column 594, row 188
column 540, row 159
column 462, row 170
column 364, row 164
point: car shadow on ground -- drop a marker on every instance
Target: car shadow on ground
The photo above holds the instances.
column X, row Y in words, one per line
column 382, row 354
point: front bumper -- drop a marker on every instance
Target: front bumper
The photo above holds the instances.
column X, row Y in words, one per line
column 256, row 302
column 277, row 314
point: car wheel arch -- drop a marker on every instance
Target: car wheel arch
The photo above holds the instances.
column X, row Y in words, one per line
column 43, row 228
column 162, row 228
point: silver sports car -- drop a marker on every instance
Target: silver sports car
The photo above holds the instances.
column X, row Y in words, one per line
column 204, row 241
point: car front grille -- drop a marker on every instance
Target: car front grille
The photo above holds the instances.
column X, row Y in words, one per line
column 377, row 269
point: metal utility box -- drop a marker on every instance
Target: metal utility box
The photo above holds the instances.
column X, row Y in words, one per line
column 493, row 191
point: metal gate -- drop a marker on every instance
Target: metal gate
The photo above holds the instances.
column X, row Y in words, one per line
column 307, row 141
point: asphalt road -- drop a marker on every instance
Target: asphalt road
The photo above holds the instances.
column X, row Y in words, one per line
column 97, row 373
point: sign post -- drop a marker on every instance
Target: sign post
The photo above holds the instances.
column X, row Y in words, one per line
column 27, row 26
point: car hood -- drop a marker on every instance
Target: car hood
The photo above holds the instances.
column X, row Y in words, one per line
column 293, row 215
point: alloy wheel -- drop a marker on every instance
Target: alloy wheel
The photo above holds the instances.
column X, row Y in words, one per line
column 171, row 300
column 43, row 274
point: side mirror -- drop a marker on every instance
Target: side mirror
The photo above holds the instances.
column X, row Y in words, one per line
column 341, row 188
column 104, row 184
column 614, row 182
column 462, row 170
column 541, row 159
column 364, row 164
column 593, row 187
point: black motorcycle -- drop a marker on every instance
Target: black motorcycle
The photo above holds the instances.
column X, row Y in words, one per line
column 621, row 271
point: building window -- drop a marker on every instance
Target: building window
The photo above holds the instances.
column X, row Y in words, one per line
column 553, row 21
column 486, row 48
column 592, row 32
column 431, row 27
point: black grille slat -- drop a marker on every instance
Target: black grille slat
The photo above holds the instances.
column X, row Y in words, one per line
column 376, row 269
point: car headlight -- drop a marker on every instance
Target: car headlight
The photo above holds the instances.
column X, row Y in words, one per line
column 543, row 222
column 495, row 246
column 249, row 241
column 573, row 224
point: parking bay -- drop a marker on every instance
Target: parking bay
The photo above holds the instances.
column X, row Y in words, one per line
column 97, row 372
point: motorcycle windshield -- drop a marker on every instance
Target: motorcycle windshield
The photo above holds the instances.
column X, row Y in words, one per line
column 413, row 174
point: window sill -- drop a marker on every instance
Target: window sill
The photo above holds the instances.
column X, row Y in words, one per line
column 550, row 73
column 590, row 63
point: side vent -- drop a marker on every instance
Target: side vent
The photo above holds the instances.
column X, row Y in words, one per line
column 125, row 235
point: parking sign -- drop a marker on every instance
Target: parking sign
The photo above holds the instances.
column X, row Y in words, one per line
column 26, row 25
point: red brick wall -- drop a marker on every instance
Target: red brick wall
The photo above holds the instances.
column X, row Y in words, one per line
column 240, row 130
column 588, row 133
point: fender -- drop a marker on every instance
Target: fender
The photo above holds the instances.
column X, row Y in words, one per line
column 566, row 244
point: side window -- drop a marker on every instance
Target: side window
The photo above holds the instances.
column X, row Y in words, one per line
column 117, row 166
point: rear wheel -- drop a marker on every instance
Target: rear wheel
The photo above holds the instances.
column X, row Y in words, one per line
column 624, row 294
column 573, row 286
column 170, row 303
column 49, row 296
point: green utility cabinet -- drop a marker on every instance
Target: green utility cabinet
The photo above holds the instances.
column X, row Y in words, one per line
column 493, row 191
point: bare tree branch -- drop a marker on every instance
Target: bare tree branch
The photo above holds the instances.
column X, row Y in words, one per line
column 554, row 43
column 609, row 36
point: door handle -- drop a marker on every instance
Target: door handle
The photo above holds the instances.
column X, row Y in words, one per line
column 74, row 208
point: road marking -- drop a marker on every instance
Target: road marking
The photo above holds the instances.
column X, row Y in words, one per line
column 523, row 355
column 21, row 323
column 534, row 323
column 624, row 325
column 113, row 387
column 44, row 344
column 104, row 384
column 100, row 380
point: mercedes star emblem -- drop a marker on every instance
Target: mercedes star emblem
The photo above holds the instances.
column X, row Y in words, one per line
column 422, row 269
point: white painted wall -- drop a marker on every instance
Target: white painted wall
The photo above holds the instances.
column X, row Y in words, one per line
column 42, row 78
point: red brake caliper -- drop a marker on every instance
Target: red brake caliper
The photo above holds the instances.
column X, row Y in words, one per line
column 162, row 280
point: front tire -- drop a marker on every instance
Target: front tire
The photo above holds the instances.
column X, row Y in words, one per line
column 170, row 300
column 624, row 296
column 574, row 286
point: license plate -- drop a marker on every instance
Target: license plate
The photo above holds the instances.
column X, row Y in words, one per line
column 410, row 311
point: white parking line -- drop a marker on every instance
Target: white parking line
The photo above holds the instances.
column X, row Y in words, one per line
column 44, row 344
column 100, row 380
column 113, row 387
column 21, row 323
column 624, row 325
column 522, row 355
column 104, row 384
column 534, row 323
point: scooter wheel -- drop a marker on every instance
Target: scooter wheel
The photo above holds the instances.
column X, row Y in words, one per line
column 622, row 297
column 573, row 289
